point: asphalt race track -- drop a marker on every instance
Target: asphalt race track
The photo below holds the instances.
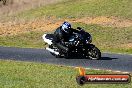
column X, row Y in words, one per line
column 109, row 61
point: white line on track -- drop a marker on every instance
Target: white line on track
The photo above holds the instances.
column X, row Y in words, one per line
column 103, row 69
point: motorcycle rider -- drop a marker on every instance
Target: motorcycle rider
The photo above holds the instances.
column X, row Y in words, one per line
column 62, row 35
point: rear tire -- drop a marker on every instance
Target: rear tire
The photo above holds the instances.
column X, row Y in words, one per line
column 57, row 56
column 68, row 55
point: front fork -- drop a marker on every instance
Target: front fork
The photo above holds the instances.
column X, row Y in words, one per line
column 87, row 49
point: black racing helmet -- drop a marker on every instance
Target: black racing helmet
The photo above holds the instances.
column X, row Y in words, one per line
column 66, row 27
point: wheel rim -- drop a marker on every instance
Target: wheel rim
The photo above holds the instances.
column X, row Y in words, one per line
column 93, row 54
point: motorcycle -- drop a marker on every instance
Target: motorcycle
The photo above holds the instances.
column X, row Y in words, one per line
column 82, row 46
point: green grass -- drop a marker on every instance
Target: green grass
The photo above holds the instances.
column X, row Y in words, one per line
column 14, row 74
column 25, row 40
column 107, row 39
column 82, row 8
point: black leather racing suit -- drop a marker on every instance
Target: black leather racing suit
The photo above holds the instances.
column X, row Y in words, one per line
column 61, row 37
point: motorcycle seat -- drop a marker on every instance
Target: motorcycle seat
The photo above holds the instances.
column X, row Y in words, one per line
column 49, row 36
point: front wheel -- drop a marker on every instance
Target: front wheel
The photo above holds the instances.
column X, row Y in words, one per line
column 94, row 53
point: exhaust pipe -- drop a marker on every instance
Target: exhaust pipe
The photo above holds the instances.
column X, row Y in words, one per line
column 52, row 51
column 62, row 47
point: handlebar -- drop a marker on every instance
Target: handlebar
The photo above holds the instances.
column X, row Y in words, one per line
column 80, row 29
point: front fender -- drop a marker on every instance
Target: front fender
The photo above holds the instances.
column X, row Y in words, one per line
column 89, row 46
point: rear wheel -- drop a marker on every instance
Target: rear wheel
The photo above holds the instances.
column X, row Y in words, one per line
column 94, row 53
column 57, row 56
column 68, row 55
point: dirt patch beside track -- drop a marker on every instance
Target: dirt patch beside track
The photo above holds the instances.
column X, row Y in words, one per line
column 18, row 28
column 106, row 21
column 14, row 28
column 129, row 45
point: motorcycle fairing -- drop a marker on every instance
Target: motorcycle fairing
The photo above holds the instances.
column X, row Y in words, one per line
column 48, row 38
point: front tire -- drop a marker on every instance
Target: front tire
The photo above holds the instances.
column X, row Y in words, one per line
column 94, row 53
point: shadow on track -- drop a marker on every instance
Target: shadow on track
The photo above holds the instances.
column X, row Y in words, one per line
column 107, row 58
column 102, row 58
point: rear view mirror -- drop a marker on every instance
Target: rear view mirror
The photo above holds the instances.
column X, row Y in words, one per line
column 79, row 28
